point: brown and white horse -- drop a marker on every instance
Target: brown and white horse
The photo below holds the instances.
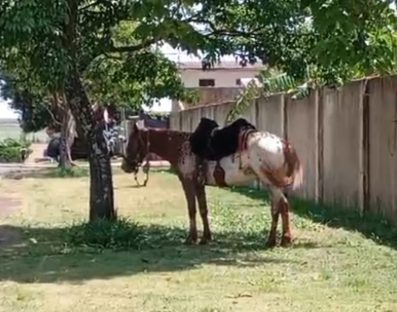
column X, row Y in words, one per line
column 261, row 155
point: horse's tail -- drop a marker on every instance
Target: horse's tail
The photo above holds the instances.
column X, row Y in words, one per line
column 294, row 172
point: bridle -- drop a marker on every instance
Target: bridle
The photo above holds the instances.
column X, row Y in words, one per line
column 140, row 156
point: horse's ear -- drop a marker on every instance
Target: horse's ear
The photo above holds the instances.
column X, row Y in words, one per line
column 140, row 124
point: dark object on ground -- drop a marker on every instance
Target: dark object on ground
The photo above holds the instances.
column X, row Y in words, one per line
column 210, row 142
column 53, row 148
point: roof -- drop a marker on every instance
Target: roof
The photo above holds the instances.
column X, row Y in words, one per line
column 226, row 65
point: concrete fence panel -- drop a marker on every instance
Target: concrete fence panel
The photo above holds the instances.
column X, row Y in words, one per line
column 208, row 111
column 175, row 121
column 383, row 147
column 250, row 113
column 221, row 112
column 270, row 114
column 196, row 116
column 301, row 133
column 343, row 145
column 186, row 120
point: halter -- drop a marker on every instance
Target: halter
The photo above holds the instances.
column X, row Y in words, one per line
column 139, row 161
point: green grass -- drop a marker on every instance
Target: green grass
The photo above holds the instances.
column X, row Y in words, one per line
column 338, row 262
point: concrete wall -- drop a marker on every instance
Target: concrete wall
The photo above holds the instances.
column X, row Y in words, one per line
column 301, row 133
column 223, row 78
column 208, row 96
column 346, row 139
column 383, row 147
column 342, row 143
column 175, row 121
column 270, row 114
column 221, row 111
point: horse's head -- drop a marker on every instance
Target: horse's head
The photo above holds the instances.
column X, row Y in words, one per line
column 137, row 149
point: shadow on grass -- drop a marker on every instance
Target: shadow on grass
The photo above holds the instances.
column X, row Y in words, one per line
column 42, row 256
column 56, row 172
column 371, row 226
column 47, row 173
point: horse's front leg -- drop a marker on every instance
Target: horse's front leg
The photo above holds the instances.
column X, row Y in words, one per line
column 202, row 202
column 190, row 194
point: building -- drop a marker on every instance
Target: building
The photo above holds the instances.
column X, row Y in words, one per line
column 227, row 74
column 223, row 82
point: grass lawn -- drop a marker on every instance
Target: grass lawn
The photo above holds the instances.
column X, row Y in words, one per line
column 337, row 263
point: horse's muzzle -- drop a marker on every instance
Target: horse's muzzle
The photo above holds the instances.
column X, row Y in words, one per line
column 129, row 166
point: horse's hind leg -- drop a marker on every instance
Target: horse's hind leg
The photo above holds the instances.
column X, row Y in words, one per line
column 280, row 206
column 190, row 194
column 202, row 202
column 146, row 169
column 272, row 239
column 284, row 210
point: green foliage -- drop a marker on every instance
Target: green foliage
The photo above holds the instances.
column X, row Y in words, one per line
column 104, row 234
column 120, row 234
column 12, row 150
column 129, row 81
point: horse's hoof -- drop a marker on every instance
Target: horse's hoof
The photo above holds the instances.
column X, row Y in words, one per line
column 271, row 243
column 205, row 240
column 190, row 240
column 207, row 237
column 286, row 241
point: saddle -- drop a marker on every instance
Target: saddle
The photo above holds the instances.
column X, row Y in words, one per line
column 210, row 142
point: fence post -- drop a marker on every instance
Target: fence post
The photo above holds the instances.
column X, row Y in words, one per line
column 284, row 116
column 364, row 205
column 319, row 192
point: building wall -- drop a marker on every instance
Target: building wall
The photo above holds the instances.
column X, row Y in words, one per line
column 224, row 78
column 208, row 96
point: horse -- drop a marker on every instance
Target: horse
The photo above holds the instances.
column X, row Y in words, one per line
column 260, row 155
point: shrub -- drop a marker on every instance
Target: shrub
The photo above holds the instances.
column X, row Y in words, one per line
column 13, row 151
column 106, row 234
column 121, row 234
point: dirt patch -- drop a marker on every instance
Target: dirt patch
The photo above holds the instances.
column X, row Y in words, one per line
column 7, row 207
column 29, row 173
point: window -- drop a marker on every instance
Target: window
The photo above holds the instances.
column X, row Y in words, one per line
column 206, row 82
column 238, row 82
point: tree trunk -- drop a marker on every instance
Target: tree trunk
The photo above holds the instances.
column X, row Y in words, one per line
column 101, row 188
column 67, row 138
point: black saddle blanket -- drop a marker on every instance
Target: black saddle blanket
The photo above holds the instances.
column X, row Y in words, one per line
column 210, row 142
